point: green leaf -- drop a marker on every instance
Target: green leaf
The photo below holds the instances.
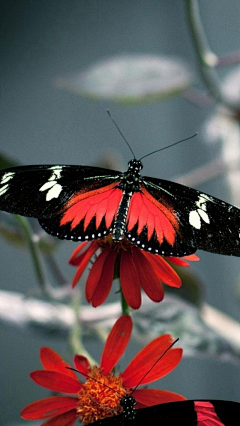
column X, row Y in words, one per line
column 131, row 79
column 191, row 289
column 6, row 162
column 12, row 231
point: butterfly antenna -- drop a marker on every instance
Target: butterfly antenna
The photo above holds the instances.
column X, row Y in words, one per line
column 115, row 124
column 95, row 380
column 169, row 146
column 175, row 341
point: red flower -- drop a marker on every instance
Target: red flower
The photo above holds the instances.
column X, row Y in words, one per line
column 100, row 398
column 138, row 269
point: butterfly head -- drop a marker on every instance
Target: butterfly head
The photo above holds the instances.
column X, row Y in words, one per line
column 134, row 166
column 128, row 402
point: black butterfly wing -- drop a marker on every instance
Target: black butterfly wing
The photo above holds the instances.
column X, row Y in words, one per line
column 200, row 221
column 46, row 191
column 187, row 413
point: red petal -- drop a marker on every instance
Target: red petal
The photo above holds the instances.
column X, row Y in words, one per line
column 130, row 280
column 48, row 407
column 105, row 282
column 82, row 364
column 144, row 360
column 177, row 261
column 95, row 274
column 74, row 256
column 86, row 256
column 162, row 368
column 149, row 281
column 66, row 419
column 163, row 270
column 116, row 343
column 55, row 381
column 149, row 397
column 54, row 362
column 192, row 257
column 181, row 262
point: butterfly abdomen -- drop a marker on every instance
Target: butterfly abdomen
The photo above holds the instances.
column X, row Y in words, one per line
column 120, row 224
column 129, row 185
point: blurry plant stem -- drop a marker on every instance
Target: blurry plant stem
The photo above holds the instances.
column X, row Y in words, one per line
column 75, row 334
column 34, row 253
column 124, row 305
column 55, row 270
column 207, row 59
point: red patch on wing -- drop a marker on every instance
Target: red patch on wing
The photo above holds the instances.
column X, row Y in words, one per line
column 147, row 211
column 206, row 414
column 99, row 203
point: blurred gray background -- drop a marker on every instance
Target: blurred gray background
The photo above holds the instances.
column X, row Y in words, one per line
column 43, row 40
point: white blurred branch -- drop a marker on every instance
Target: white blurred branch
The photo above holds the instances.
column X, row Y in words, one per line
column 206, row 172
column 224, row 325
column 20, row 311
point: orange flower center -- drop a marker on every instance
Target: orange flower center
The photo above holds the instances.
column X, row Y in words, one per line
column 100, row 397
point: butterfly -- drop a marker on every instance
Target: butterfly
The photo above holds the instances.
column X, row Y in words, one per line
column 187, row 413
column 82, row 203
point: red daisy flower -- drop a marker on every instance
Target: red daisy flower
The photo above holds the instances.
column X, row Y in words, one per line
column 137, row 269
column 100, row 395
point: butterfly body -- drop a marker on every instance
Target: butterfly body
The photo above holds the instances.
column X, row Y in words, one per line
column 85, row 203
column 187, row 413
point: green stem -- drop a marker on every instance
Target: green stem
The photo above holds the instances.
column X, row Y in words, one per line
column 125, row 306
column 33, row 251
column 207, row 59
column 75, row 336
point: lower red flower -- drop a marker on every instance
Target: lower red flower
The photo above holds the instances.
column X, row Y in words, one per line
column 137, row 270
column 100, row 395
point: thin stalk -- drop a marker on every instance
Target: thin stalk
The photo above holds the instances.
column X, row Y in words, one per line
column 55, row 270
column 124, row 305
column 34, row 252
column 75, row 335
column 207, row 59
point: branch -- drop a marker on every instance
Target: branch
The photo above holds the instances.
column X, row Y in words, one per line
column 207, row 60
column 203, row 173
column 224, row 325
column 24, row 312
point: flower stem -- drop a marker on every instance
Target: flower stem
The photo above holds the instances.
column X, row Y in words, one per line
column 34, row 252
column 75, row 336
column 125, row 306
column 207, row 59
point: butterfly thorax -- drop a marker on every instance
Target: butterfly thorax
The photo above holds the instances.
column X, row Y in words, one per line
column 129, row 184
column 130, row 179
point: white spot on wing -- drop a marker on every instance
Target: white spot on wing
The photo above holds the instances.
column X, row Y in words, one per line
column 4, row 189
column 54, row 192
column 7, row 176
column 57, row 170
column 47, row 185
column 195, row 216
column 51, row 185
column 194, row 219
column 203, row 215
